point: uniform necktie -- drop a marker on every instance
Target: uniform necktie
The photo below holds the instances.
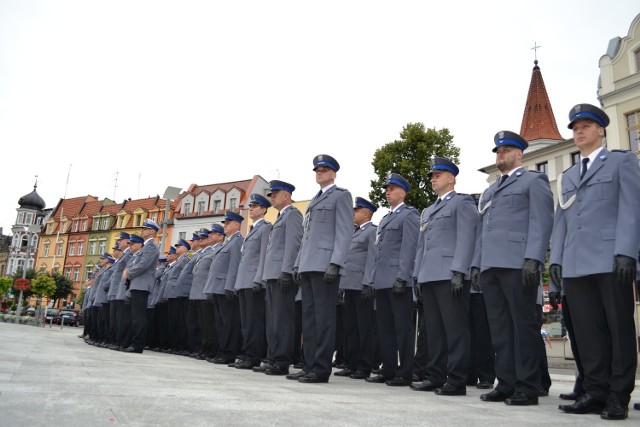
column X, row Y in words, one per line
column 319, row 194
column 503, row 178
column 584, row 167
column 438, row 201
column 251, row 228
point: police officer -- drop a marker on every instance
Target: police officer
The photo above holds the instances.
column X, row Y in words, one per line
column 392, row 274
column 119, row 250
column 593, row 257
column 359, row 294
column 328, row 226
column 178, row 301
column 513, row 237
column 220, row 288
column 159, row 299
column 123, row 311
column 184, row 284
column 250, row 285
column 100, row 300
column 281, row 252
column 445, row 251
column 141, row 279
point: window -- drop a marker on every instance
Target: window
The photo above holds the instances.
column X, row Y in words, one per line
column 34, row 243
column 543, row 167
column 105, row 223
column 637, row 55
column 138, row 221
column 575, row 158
column 216, row 205
column 102, row 247
column 633, row 127
column 154, row 217
column 182, row 235
column 233, row 203
column 121, row 222
column 201, row 206
column 67, row 272
column 92, row 248
column 72, row 249
column 76, row 274
column 80, row 248
column 84, row 225
column 20, row 218
column 96, row 224
column 75, row 226
column 46, row 249
column 187, row 208
column 59, row 249
column 56, row 269
column 29, row 219
column 39, row 222
column 24, row 243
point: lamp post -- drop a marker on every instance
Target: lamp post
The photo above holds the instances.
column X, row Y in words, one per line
column 32, row 229
column 171, row 193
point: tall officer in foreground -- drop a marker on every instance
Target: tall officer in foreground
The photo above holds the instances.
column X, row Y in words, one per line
column 328, row 227
column 141, row 277
column 445, row 250
column 593, row 256
column 396, row 242
column 513, row 238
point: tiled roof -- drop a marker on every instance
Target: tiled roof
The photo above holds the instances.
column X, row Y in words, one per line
column 70, row 207
column 538, row 121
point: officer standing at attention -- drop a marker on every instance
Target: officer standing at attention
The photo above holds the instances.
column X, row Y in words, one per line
column 328, row 227
column 220, row 287
column 593, row 257
column 282, row 249
column 141, row 277
column 513, row 238
column 250, row 285
column 396, row 242
column 178, row 300
column 359, row 294
column 445, row 249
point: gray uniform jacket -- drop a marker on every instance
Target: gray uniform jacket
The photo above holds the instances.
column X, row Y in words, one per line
column 156, row 294
column 328, row 227
column 85, row 299
column 283, row 244
column 96, row 284
column 254, row 251
column 517, row 225
column 171, row 288
column 126, row 261
column 183, row 287
column 361, row 257
column 201, row 272
column 103, row 288
column 141, row 273
column 396, row 245
column 447, row 237
column 224, row 267
column 116, row 278
column 603, row 220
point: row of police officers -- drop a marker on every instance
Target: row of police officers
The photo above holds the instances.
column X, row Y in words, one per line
column 237, row 296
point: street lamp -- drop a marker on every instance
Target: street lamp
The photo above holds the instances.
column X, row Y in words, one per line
column 171, row 193
column 31, row 230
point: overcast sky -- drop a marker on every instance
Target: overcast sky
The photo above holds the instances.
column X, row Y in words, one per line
column 173, row 93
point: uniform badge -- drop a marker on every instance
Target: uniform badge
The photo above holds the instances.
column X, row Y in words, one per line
column 518, row 173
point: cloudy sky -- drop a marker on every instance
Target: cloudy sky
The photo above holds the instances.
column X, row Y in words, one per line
column 162, row 93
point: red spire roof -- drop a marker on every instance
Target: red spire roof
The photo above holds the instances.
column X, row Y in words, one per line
column 538, row 121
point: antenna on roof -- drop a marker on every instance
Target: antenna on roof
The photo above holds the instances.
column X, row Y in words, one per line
column 115, row 186
column 139, row 178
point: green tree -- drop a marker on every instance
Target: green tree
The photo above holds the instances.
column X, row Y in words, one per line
column 43, row 285
column 5, row 284
column 410, row 157
column 64, row 286
column 80, row 297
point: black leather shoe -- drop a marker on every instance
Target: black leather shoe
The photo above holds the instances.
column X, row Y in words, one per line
column 415, row 378
column 298, row 365
column 614, row 410
column 222, row 361
column 543, row 393
column 636, row 406
column 312, row 378
column 200, row 356
column 585, row 404
column 484, row 385
column 398, row 382
column 377, row 379
column 425, row 385
column 262, row 368
column 131, row 350
column 451, row 390
column 277, row 370
column 297, row 375
column 520, row 399
column 494, row 396
column 359, row 375
column 244, row 364
column 232, row 364
column 568, row 396
column 344, row 373
column 112, row 347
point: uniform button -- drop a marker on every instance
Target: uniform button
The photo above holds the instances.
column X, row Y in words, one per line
column 579, row 227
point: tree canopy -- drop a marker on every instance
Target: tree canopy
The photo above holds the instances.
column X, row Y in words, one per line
column 43, row 285
column 64, row 286
column 410, row 157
